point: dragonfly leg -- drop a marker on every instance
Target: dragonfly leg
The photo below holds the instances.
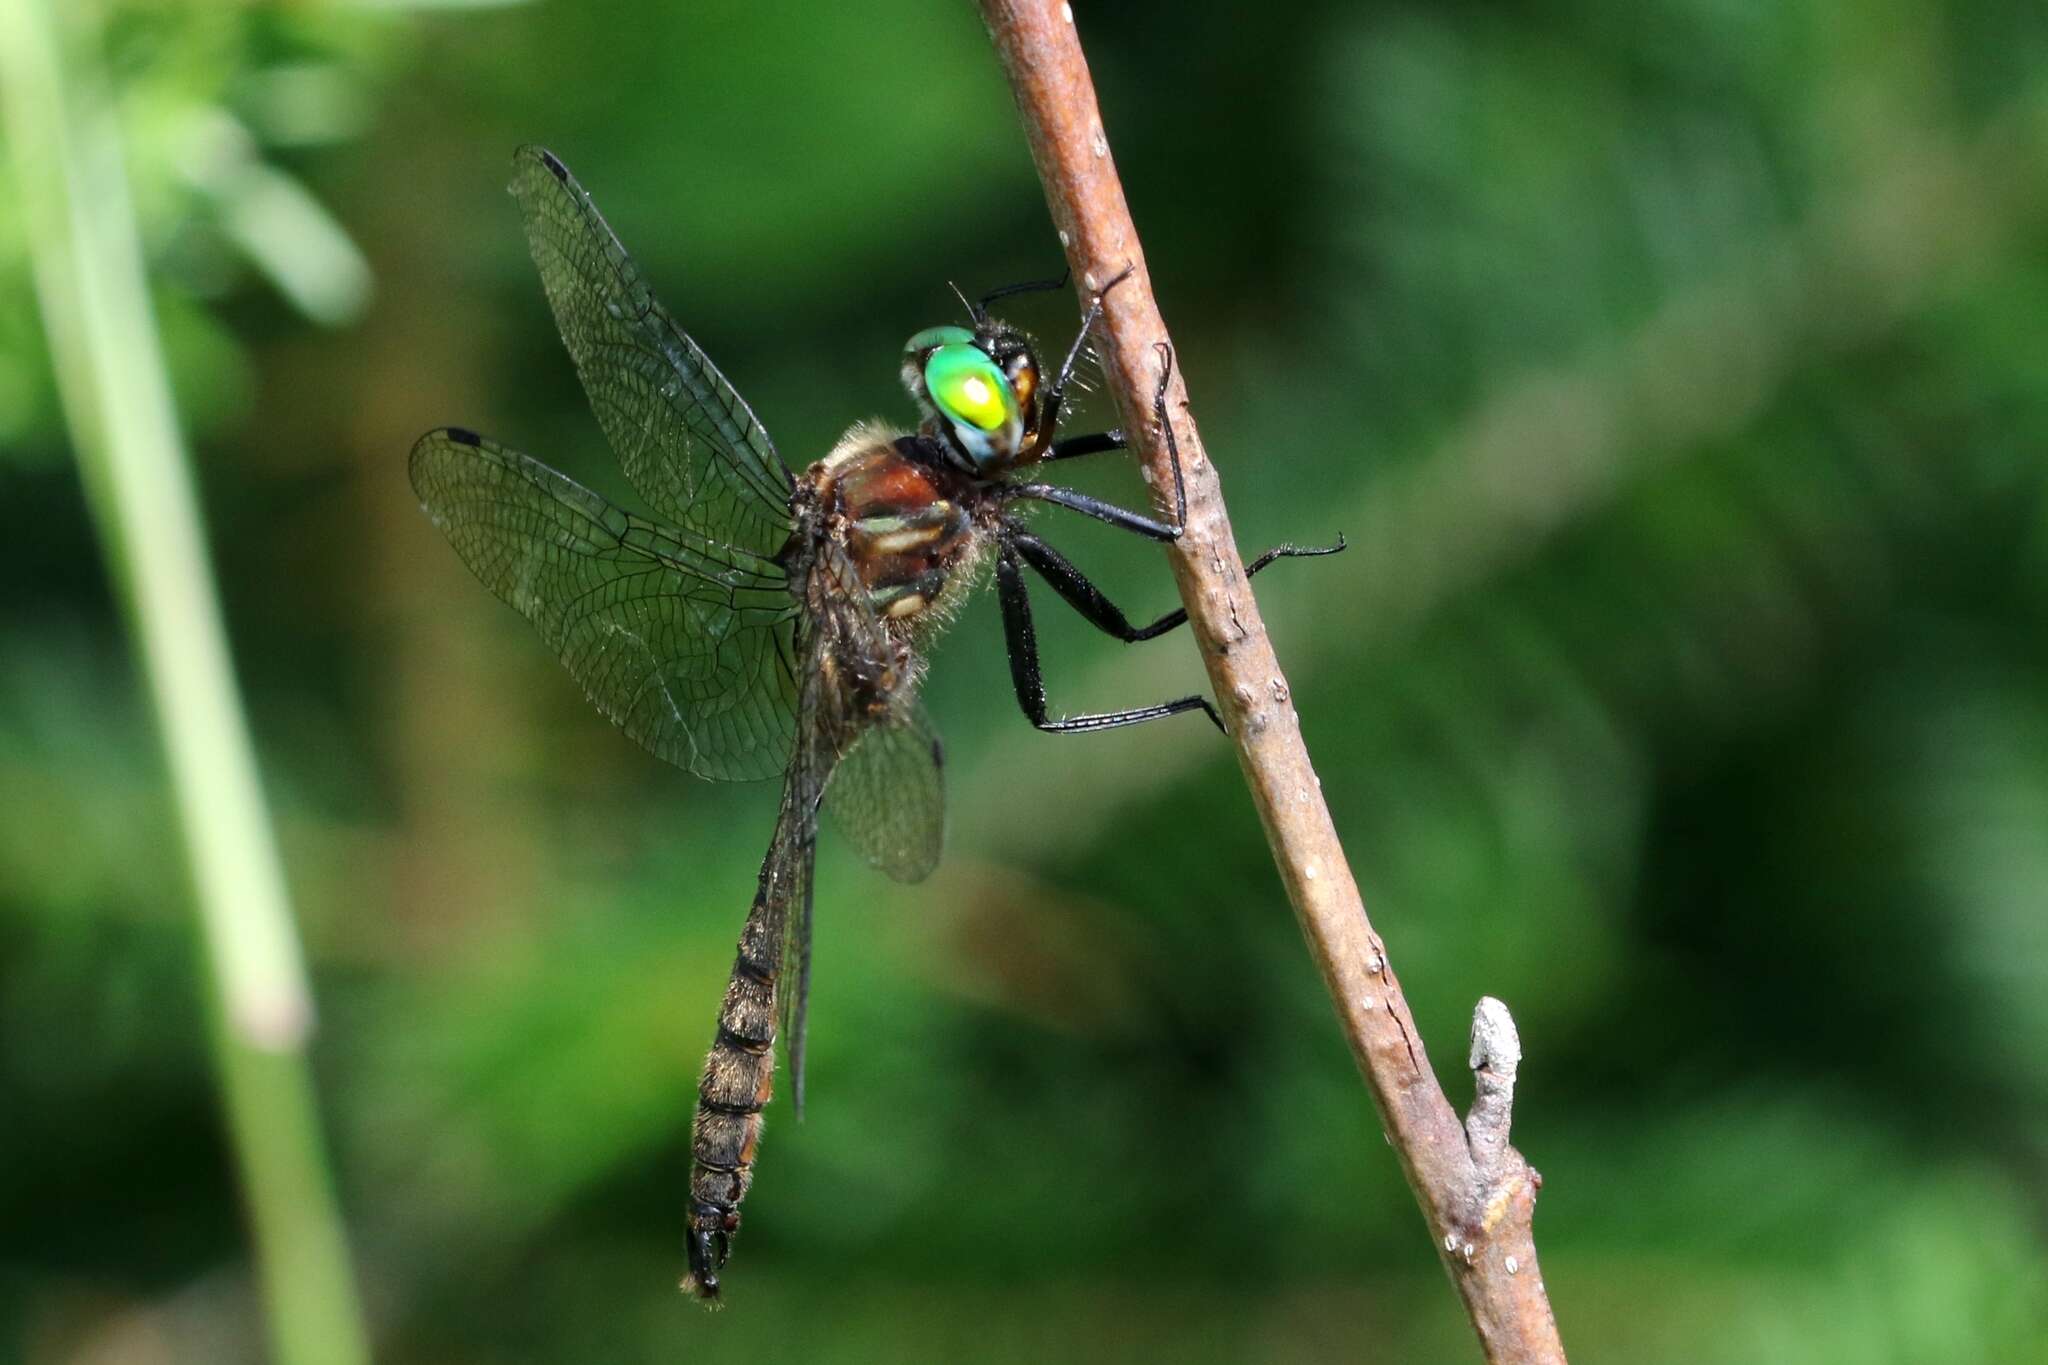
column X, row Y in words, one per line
column 1180, row 487
column 980, row 310
column 1150, row 527
column 1087, row 599
column 1056, row 392
column 1120, row 517
column 1094, row 443
column 1024, row 670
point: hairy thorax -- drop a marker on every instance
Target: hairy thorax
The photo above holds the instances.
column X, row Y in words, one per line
column 908, row 527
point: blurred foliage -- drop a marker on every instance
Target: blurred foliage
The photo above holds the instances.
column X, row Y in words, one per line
column 1676, row 373
column 212, row 97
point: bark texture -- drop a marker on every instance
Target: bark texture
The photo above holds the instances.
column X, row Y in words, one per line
column 1474, row 1188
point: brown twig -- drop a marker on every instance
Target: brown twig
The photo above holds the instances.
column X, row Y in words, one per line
column 1476, row 1191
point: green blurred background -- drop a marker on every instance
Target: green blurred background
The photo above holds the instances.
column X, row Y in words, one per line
column 1676, row 369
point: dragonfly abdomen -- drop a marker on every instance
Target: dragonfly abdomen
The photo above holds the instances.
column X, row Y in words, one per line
column 739, row 1076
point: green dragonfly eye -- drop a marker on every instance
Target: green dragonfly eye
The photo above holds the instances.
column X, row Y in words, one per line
column 938, row 336
column 969, row 387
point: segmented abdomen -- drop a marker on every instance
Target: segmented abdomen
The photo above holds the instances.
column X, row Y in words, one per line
column 739, row 1076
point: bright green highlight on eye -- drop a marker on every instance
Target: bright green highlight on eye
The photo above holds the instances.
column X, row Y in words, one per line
column 939, row 336
column 967, row 386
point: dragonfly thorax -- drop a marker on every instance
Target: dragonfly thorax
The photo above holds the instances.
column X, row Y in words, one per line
column 907, row 524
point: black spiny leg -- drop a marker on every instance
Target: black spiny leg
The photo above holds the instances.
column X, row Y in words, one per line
column 1120, row 517
column 1180, row 487
column 1056, row 392
column 1017, row 546
column 1024, row 674
column 1095, row 443
column 1084, row 597
column 1123, row 519
column 980, row 310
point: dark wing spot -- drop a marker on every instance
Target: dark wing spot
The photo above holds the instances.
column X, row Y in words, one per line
column 463, row 436
column 938, row 753
column 549, row 160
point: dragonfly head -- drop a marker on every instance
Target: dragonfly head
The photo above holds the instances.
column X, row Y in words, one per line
column 978, row 388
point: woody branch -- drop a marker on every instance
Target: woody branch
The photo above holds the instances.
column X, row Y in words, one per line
column 1474, row 1188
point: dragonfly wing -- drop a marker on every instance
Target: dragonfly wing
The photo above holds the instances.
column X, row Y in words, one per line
column 888, row 795
column 689, row 443
column 883, row 783
column 796, row 852
column 680, row 642
column 796, row 965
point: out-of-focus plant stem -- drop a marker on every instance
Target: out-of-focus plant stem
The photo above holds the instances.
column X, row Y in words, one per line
column 66, row 148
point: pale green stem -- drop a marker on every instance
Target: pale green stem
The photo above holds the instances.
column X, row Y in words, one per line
column 66, row 149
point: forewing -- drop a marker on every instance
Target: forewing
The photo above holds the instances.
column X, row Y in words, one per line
column 683, row 645
column 888, row 795
column 689, row 443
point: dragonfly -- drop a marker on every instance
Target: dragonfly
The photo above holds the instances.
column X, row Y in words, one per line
column 773, row 621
